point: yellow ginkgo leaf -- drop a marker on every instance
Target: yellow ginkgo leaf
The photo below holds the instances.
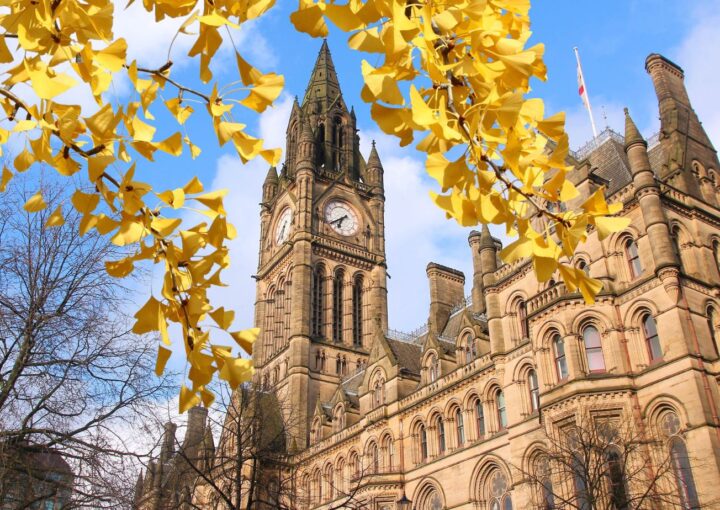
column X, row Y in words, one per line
column 119, row 268
column 222, row 317
column 188, row 399
column 7, row 176
column 35, row 203
column 163, row 356
column 148, row 317
column 56, row 219
column 246, row 338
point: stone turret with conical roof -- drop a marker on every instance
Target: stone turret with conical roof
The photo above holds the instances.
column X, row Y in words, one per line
column 270, row 185
column 374, row 169
column 647, row 193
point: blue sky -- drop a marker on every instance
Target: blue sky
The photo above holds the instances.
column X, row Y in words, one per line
column 614, row 38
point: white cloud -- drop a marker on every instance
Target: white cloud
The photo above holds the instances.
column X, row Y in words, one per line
column 698, row 56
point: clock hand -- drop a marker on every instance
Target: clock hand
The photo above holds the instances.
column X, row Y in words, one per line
column 282, row 231
column 339, row 220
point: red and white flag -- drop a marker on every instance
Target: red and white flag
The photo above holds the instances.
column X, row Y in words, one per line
column 581, row 87
column 582, row 90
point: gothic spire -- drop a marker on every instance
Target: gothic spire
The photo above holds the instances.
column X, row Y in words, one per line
column 632, row 134
column 323, row 87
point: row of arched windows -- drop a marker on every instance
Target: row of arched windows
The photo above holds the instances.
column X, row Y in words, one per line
column 437, row 435
column 334, row 327
column 592, row 348
column 494, row 485
column 276, row 329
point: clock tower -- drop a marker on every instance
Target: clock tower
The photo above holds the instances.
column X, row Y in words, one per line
column 321, row 281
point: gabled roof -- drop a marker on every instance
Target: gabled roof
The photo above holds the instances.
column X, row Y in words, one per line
column 407, row 354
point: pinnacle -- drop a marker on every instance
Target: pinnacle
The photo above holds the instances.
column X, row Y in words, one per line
column 374, row 159
column 632, row 134
column 486, row 240
column 272, row 175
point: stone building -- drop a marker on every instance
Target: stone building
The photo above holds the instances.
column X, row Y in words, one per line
column 170, row 480
column 458, row 413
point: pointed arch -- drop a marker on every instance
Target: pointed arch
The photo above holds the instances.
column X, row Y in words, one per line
column 338, row 304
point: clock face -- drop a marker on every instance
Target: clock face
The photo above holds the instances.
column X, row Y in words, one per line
column 341, row 218
column 284, row 226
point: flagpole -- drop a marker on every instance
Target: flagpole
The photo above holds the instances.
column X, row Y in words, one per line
column 586, row 98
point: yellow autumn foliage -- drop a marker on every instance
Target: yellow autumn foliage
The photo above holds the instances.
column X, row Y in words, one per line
column 453, row 78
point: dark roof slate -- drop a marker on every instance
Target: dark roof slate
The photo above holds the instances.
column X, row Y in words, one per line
column 408, row 354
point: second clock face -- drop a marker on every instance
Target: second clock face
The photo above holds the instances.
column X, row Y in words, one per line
column 284, row 226
column 341, row 218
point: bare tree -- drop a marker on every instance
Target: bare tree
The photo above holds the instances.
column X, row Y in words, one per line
column 252, row 466
column 72, row 377
column 603, row 463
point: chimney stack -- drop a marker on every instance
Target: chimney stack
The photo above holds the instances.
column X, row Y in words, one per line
column 447, row 289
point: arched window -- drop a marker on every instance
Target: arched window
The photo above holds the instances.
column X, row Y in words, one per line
column 374, row 455
column 268, row 332
column 329, row 485
column 389, row 450
column 433, row 368
column 522, row 319
column 317, row 315
column 317, row 481
column 422, row 435
column 479, row 419
column 288, row 308
column 560, row 359
column 633, row 258
column 355, row 465
column 339, row 419
column 544, row 477
column 338, row 286
column 712, row 319
column 459, row 427
column 652, row 340
column 593, row 349
column 683, row 475
column 440, row 429
column 584, row 267
column 357, row 303
column 618, row 482
column 468, row 349
column 501, row 412
column 430, row 500
column 716, row 253
column 340, row 477
column 534, row 391
column 378, row 392
column 500, row 499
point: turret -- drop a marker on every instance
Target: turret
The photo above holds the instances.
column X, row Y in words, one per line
column 478, row 289
column 138, row 490
column 647, row 193
column 374, row 169
column 270, row 185
column 488, row 264
column 305, row 156
column 167, row 449
column 197, row 417
column 682, row 136
column 446, row 291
